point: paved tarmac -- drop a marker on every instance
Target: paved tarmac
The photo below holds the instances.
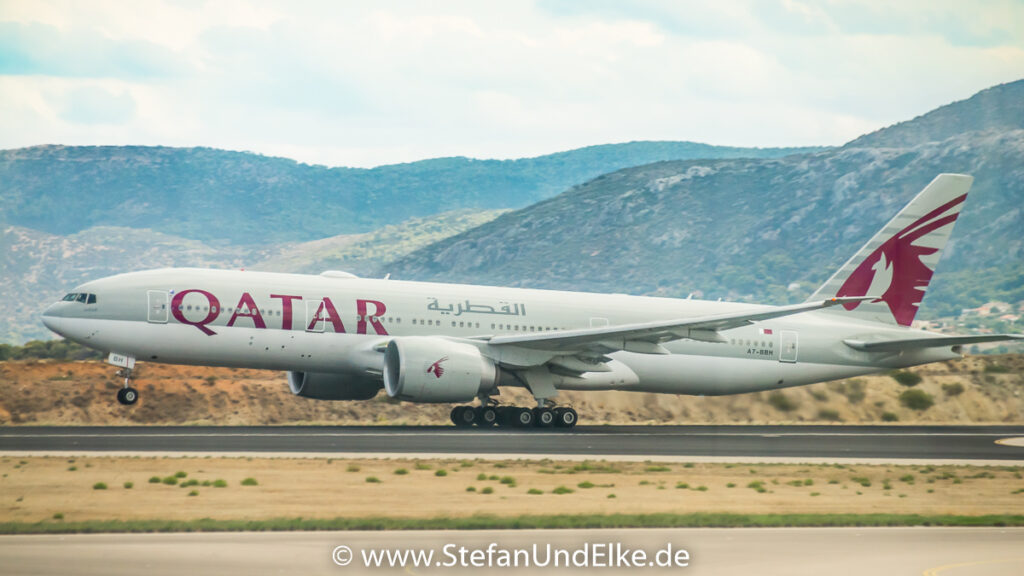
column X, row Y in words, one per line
column 898, row 443
column 721, row 552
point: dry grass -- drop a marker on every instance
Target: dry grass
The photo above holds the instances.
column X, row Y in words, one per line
column 41, row 487
column 44, row 392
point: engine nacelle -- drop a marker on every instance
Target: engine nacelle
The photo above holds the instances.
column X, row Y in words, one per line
column 427, row 369
column 324, row 386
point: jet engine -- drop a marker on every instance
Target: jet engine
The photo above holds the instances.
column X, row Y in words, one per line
column 427, row 369
column 324, row 386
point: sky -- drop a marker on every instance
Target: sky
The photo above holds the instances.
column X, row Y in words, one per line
column 357, row 83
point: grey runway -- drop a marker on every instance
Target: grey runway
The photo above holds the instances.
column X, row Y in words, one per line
column 722, row 552
column 867, row 442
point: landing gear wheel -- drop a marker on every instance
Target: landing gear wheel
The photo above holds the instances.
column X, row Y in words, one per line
column 565, row 417
column 463, row 416
column 543, row 417
column 522, row 417
column 506, row 415
column 127, row 396
column 486, row 416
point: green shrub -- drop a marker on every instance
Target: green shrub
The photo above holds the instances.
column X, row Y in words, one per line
column 908, row 379
column 534, row 491
column 916, row 399
column 853, row 390
column 657, row 469
column 249, row 482
column 996, row 369
column 828, row 414
column 508, row 480
column 682, row 485
column 372, row 480
column 487, row 490
column 730, row 485
column 58, row 516
column 781, row 402
column 129, row 485
column 180, row 474
column 611, row 496
column 953, row 389
column 401, row 472
column 861, row 480
column 72, row 468
column 99, row 486
column 193, row 493
column 908, row 478
column 470, row 488
column 585, row 484
column 758, row 486
column 701, row 488
column 352, row 468
column 425, row 466
column 889, row 417
column 481, row 476
column 562, row 490
column 170, row 480
column 220, row 483
column 154, row 479
column 441, row 473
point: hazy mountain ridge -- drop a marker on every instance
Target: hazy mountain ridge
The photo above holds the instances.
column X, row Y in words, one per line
column 245, row 198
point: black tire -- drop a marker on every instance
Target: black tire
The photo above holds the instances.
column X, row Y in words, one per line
column 543, row 417
column 523, row 418
column 506, row 415
column 486, row 416
column 463, row 416
column 565, row 417
column 127, row 396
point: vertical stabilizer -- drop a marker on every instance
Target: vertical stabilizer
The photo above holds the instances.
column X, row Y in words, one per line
column 898, row 262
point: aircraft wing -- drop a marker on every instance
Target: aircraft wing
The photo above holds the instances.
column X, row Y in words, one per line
column 646, row 337
column 932, row 342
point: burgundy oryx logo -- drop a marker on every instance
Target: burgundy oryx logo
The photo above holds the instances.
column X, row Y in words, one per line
column 895, row 271
column 436, row 369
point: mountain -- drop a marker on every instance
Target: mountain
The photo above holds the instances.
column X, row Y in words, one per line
column 767, row 230
column 998, row 108
column 243, row 198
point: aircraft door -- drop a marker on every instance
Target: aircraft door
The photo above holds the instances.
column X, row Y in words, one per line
column 788, row 346
column 312, row 307
column 157, row 311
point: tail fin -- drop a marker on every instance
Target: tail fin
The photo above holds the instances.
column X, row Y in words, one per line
column 898, row 262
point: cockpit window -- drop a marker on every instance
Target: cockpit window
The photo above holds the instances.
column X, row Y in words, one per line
column 81, row 297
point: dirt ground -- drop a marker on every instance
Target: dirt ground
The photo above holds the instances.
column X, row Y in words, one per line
column 82, row 393
column 38, row 488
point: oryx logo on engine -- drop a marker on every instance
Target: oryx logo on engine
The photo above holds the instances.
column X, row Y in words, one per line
column 436, row 369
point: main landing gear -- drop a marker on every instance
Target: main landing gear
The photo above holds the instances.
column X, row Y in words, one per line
column 127, row 395
column 513, row 416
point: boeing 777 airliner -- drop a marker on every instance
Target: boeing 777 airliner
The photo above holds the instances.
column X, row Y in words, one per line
column 340, row 337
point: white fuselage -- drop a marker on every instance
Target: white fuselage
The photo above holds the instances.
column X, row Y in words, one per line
column 337, row 324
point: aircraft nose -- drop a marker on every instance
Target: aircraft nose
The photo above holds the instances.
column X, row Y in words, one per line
column 51, row 318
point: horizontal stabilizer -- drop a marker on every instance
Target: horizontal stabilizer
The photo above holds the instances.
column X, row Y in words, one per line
column 933, row 342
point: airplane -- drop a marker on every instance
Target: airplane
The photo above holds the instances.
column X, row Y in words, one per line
column 340, row 337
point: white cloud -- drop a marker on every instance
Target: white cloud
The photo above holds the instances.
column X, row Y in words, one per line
column 350, row 83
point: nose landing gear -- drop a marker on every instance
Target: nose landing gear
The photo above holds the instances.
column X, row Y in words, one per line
column 127, row 396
